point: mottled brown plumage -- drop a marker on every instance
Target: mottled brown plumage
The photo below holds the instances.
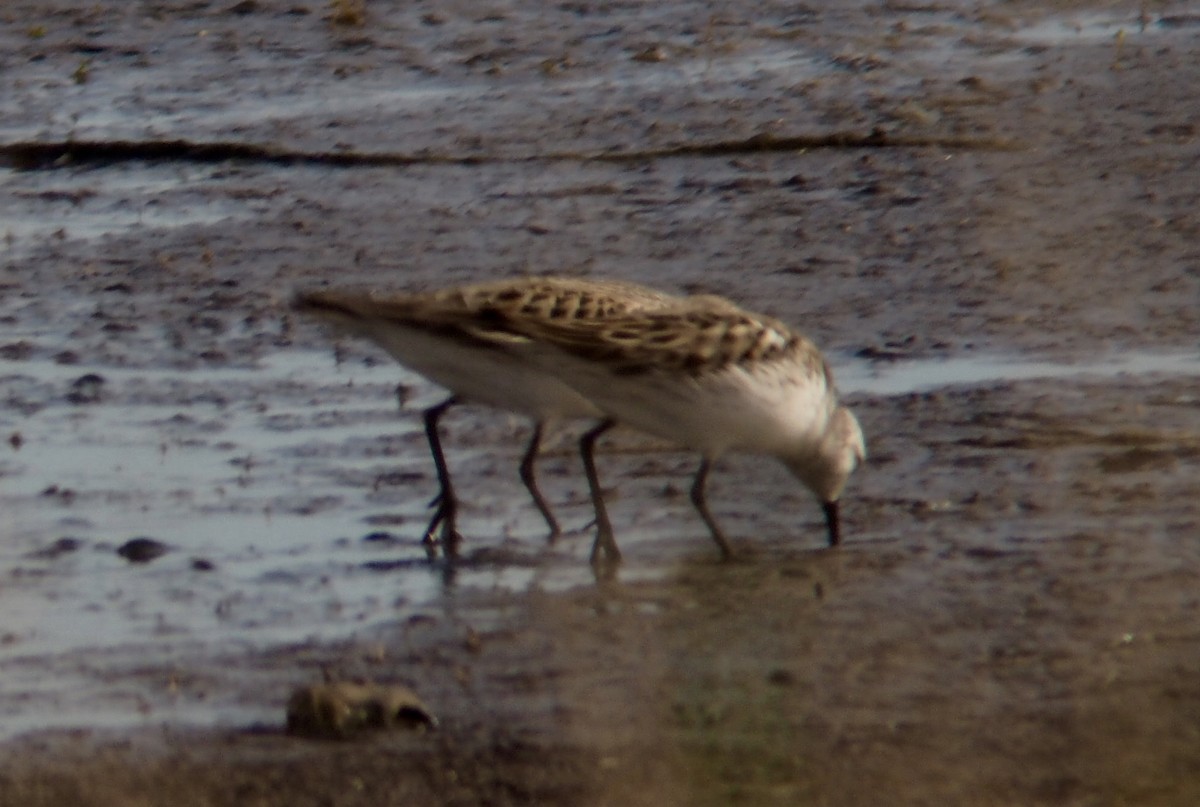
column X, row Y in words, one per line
column 695, row 336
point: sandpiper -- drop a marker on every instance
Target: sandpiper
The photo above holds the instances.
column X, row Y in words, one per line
column 447, row 337
column 705, row 374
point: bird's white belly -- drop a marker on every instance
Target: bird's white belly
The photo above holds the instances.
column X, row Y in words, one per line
column 729, row 411
column 483, row 375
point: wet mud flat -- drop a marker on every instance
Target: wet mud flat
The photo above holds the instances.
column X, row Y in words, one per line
column 985, row 213
column 1024, row 632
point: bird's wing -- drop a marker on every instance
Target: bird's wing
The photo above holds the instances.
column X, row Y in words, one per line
column 478, row 312
column 696, row 336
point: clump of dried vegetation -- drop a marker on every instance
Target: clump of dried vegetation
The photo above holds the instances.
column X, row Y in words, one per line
column 348, row 12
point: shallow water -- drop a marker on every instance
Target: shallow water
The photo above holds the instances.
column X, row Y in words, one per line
column 267, row 473
column 920, row 375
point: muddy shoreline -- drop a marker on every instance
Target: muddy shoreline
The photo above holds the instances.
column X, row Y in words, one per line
column 1013, row 616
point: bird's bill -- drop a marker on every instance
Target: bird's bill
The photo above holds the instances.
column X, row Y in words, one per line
column 831, row 518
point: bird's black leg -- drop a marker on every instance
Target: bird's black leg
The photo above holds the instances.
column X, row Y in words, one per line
column 447, row 504
column 604, row 532
column 698, row 499
column 831, row 518
column 530, row 480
